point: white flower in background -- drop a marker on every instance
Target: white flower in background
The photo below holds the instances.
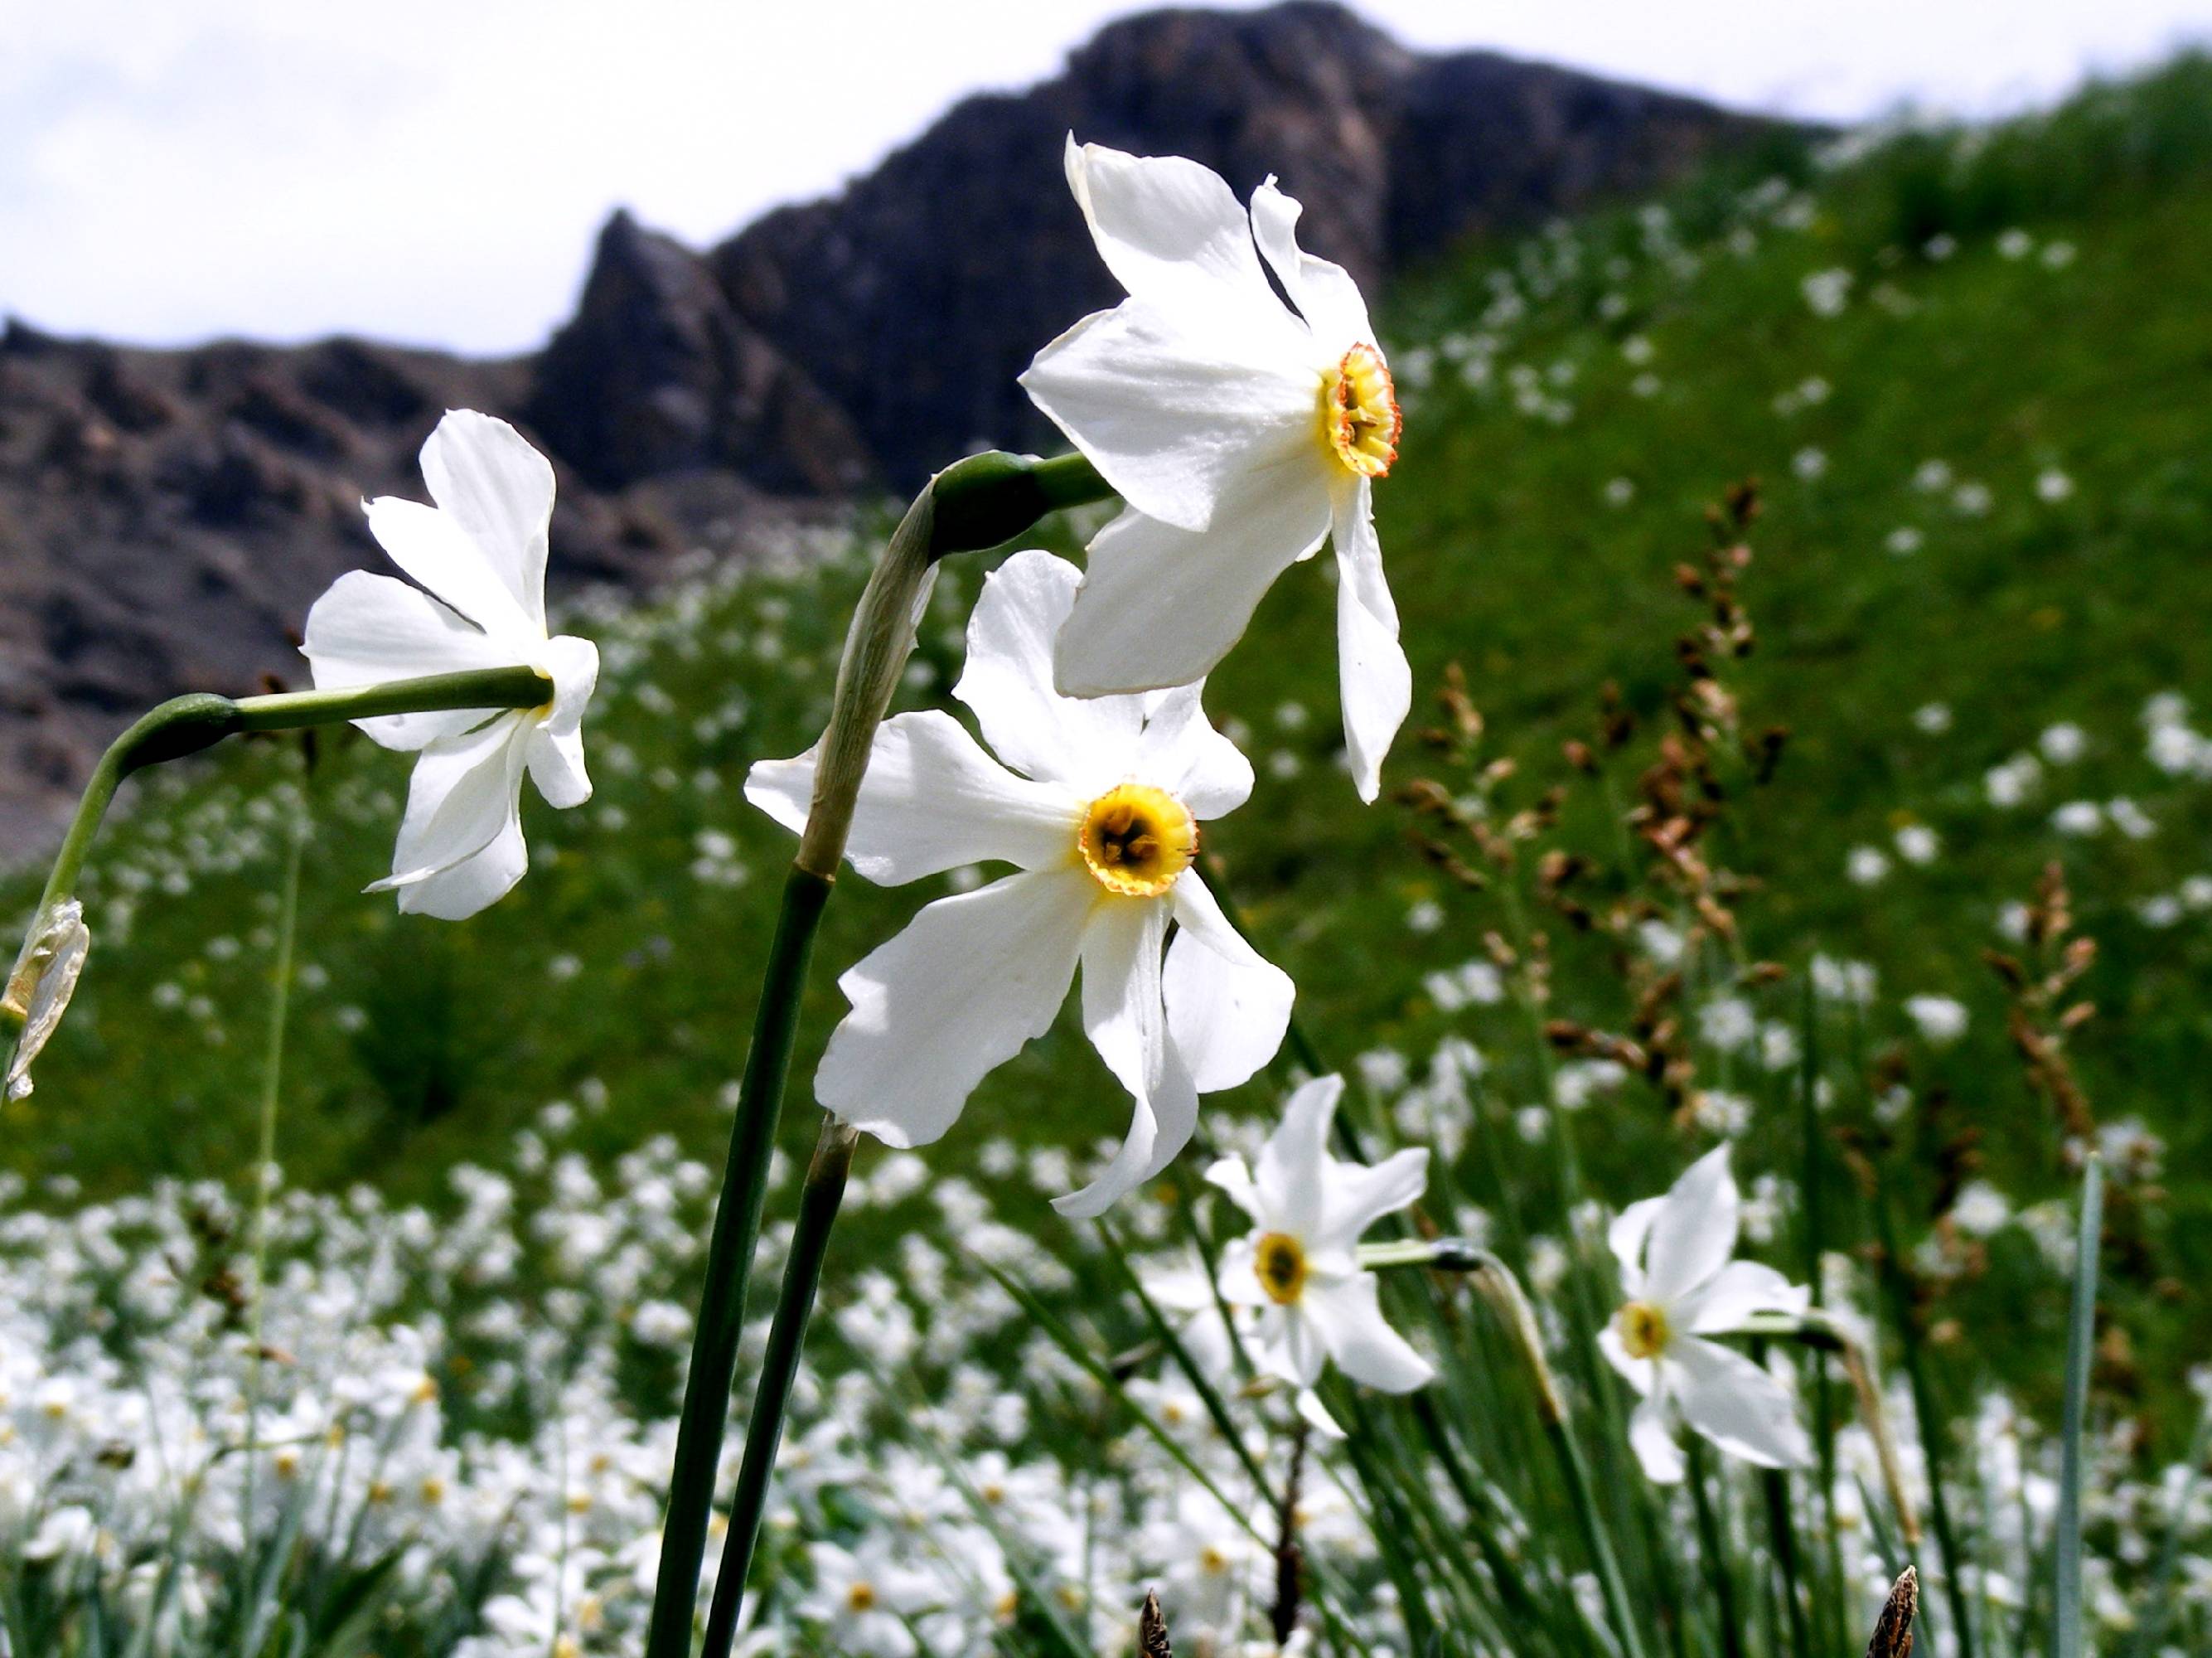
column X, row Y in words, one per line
column 1241, row 432
column 1300, row 1264
column 863, row 1597
column 1942, row 1019
column 481, row 554
column 39, row 988
column 1101, row 816
column 1682, row 1289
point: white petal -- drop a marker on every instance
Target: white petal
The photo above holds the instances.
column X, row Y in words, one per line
column 1639, row 1374
column 556, row 766
column 1359, row 1197
column 475, row 883
column 572, row 664
column 1227, row 1008
column 1172, row 232
column 1694, row 1233
column 1735, row 1293
column 1374, row 679
column 1627, row 1234
column 1291, row 1345
column 466, row 792
column 1127, row 1021
column 1090, row 744
column 1738, row 1406
column 1235, row 1180
column 1651, row 1431
column 1366, row 1348
column 556, row 748
column 500, row 490
column 1240, row 1276
column 931, row 799
column 1325, row 294
column 1182, row 752
column 956, row 994
column 367, row 629
column 1317, row 1416
column 1160, row 606
column 1176, row 410
column 433, row 549
column 1293, row 1164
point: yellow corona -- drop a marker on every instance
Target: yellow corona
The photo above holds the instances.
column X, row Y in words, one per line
column 1279, row 1260
column 1359, row 412
column 1136, row 839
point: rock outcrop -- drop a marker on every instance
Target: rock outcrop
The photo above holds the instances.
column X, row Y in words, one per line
column 166, row 517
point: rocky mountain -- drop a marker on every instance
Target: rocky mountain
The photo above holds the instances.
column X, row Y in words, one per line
column 166, row 517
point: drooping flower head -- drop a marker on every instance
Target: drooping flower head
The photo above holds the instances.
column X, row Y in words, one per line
column 1299, row 1265
column 480, row 557
column 1242, row 432
column 1100, row 814
column 1681, row 1289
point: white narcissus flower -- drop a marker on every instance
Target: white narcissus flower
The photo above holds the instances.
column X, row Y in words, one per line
column 481, row 554
column 1681, row 1288
column 1300, row 1264
column 1242, row 434
column 863, row 1598
column 1100, row 814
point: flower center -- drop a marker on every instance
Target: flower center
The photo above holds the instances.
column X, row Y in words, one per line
column 1279, row 1260
column 1136, row 839
column 1359, row 412
column 1643, row 1330
column 861, row 1597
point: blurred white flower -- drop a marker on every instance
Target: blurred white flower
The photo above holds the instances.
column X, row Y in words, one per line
column 481, row 554
column 1941, row 1019
column 1101, row 816
column 2064, row 743
column 863, row 1597
column 1241, row 432
column 1681, row 1288
column 1300, row 1264
column 1866, row 865
column 1916, row 842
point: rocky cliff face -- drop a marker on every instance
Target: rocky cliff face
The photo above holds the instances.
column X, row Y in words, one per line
column 166, row 517
column 915, row 297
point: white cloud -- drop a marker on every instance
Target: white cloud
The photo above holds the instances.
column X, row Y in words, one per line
column 432, row 170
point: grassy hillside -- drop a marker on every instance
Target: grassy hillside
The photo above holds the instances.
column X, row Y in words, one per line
column 1970, row 373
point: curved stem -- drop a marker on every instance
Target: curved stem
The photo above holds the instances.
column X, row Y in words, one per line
column 977, row 502
column 185, row 725
column 802, row 1274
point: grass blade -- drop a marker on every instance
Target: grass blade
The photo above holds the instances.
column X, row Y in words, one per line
column 2081, row 1339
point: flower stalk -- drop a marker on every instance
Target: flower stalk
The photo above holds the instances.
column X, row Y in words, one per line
column 185, row 725
column 1495, row 1281
column 977, row 502
column 818, row 1204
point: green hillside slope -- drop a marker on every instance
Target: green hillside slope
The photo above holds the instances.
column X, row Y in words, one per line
column 1970, row 374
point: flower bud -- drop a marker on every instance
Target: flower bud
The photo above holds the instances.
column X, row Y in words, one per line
column 39, row 988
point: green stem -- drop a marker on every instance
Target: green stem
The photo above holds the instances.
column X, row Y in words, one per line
column 2081, row 1341
column 976, row 503
column 1714, row 1546
column 185, row 725
column 802, row 1273
column 729, row 1259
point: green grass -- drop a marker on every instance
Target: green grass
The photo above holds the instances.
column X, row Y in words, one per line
column 617, row 978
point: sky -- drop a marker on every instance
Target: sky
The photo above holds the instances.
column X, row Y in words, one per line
column 433, row 171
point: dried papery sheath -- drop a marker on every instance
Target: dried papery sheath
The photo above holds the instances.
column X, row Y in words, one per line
column 1892, row 1633
column 39, row 988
